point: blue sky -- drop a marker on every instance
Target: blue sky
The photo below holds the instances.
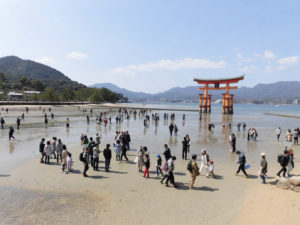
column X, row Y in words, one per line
column 154, row 45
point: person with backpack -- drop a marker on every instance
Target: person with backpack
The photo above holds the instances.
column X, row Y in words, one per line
column 283, row 160
column 241, row 161
column 204, row 162
column 263, row 168
column 107, row 157
column 194, row 170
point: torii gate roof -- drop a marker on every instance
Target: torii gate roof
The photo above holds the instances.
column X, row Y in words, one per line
column 220, row 81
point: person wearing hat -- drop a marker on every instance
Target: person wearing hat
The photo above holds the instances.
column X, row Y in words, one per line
column 158, row 166
column 241, row 161
column 194, row 172
column 263, row 168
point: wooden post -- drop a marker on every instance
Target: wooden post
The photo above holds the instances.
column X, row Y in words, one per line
column 200, row 102
column 209, row 103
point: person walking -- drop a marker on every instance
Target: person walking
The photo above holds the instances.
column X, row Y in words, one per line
column 194, row 171
column 2, row 123
column 41, row 149
column 124, row 151
column 117, row 149
column 158, row 165
column 171, row 128
column 263, row 168
column 147, row 165
column 107, row 157
column 241, row 161
column 232, row 142
column 295, row 136
column 167, row 153
column 175, row 130
column 290, row 165
column 278, row 133
column 171, row 167
column 18, row 123
column 283, row 161
column 140, row 159
column 11, row 133
column 204, row 162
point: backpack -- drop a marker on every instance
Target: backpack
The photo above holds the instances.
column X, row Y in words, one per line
column 189, row 166
column 279, row 158
column 207, row 157
column 81, row 158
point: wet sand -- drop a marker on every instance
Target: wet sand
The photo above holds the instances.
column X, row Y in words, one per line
column 34, row 193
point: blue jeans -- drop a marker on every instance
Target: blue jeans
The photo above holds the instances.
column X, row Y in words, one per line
column 263, row 178
column 107, row 164
column 158, row 171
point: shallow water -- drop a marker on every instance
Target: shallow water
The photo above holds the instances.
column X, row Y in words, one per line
column 28, row 137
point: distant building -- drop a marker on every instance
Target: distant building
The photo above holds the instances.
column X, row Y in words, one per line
column 296, row 102
column 14, row 96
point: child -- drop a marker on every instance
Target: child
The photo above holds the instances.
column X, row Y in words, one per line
column 211, row 169
column 158, row 166
column 64, row 157
column 147, row 165
column 69, row 162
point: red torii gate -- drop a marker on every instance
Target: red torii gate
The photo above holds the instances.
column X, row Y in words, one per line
column 205, row 101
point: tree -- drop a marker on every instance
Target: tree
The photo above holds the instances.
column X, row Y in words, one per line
column 49, row 95
column 37, row 85
column 68, row 95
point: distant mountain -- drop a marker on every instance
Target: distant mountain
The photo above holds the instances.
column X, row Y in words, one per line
column 15, row 68
column 129, row 94
column 284, row 90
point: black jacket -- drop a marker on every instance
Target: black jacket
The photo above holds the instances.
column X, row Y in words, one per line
column 107, row 153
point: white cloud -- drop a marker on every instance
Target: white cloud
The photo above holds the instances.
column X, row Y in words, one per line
column 45, row 60
column 248, row 69
column 76, row 55
column 269, row 54
column 268, row 69
column 166, row 64
column 287, row 61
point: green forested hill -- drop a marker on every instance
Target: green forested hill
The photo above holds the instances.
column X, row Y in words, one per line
column 15, row 68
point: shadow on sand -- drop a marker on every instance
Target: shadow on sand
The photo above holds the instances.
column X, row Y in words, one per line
column 4, row 175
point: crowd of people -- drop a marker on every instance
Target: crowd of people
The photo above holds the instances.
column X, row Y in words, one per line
column 54, row 149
